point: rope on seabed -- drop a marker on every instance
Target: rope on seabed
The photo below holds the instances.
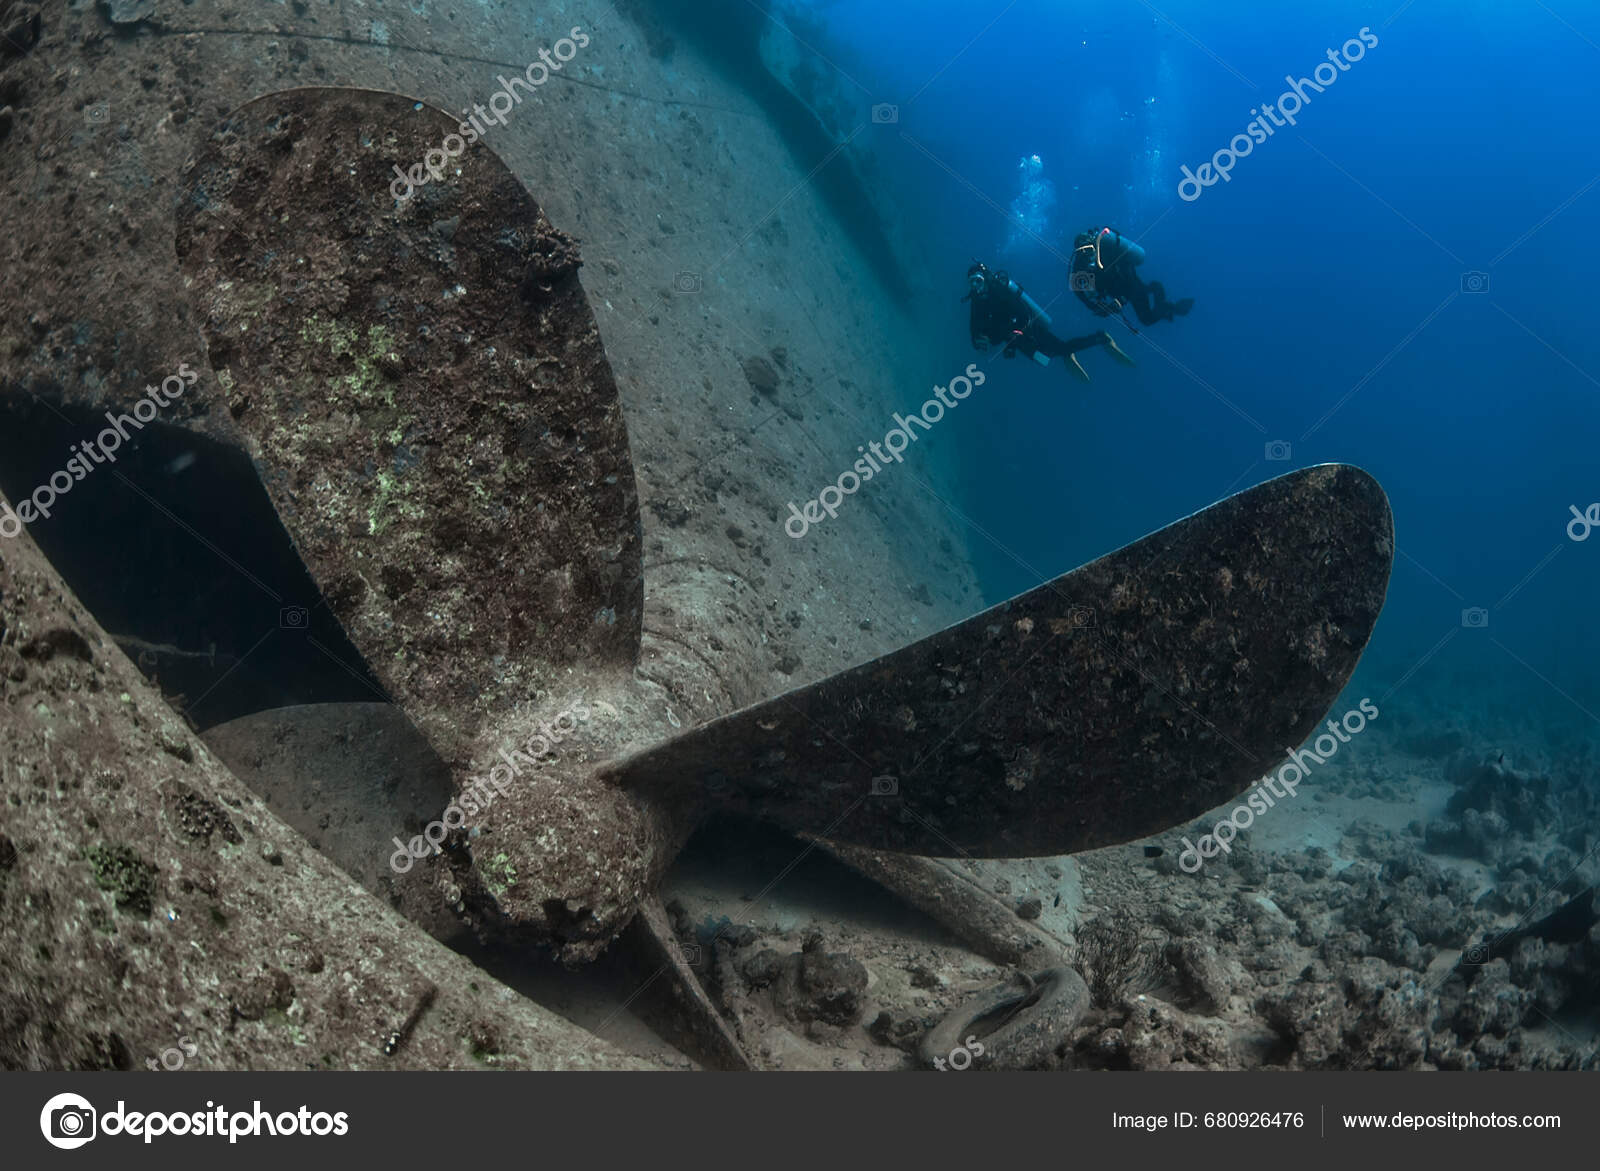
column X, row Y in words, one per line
column 169, row 31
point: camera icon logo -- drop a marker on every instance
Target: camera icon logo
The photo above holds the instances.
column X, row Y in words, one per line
column 690, row 953
column 1081, row 282
column 688, row 282
column 294, row 618
column 885, row 787
column 1280, row 450
column 68, row 1121
column 1080, row 617
column 883, row 114
column 1474, row 282
column 1474, row 616
column 1477, row 955
column 97, row 114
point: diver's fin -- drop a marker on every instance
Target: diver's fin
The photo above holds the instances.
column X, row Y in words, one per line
column 1116, row 351
column 1181, row 308
column 1116, row 701
column 1075, row 368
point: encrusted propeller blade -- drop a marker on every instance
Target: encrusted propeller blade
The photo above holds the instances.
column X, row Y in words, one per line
column 1118, row 700
column 416, row 370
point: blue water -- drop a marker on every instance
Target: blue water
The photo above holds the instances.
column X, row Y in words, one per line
column 1327, row 271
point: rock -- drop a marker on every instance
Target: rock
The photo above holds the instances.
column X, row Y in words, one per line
column 1492, row 1051
column 1200, row 973
column 672, row 512
column 1474, row 834
column 126, row 13
column 1494, row 1004
column 762, row 969
column 1517, row 800
column 727, row 933
column 1377, row 1020
column 833, row 985
column 761, row 375
column 1158, row 1036
column 1030, row 908
column 812, row 986
column 900, row 1034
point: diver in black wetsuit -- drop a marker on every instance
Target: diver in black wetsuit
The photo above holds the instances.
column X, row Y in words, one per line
column 1105, row 278
column 1003, row 315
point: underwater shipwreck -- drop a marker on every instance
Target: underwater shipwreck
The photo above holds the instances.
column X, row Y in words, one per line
column 1112, row 703
column 415, row 689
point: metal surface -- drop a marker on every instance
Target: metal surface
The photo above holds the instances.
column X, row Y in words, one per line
column 350, row 777
column 422, row 384
column 1120, row 699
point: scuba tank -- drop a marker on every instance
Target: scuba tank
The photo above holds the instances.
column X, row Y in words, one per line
column 1004, row 285
column 1032, row 306
column 1095, row 253
column 1112, row 247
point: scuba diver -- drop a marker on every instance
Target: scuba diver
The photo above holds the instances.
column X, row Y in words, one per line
column 1103, row 278
column 1003, row 315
